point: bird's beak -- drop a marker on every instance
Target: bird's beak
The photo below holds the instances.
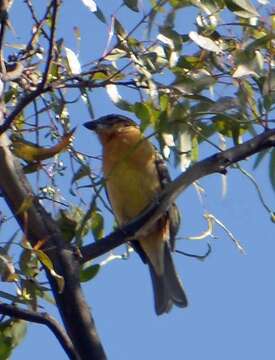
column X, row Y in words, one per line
column 92, row 125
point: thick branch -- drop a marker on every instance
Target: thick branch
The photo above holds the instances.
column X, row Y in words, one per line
column 44, row 319
column 214, row 164
column 38, row 225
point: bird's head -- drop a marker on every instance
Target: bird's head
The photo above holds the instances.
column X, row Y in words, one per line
column 106, row 127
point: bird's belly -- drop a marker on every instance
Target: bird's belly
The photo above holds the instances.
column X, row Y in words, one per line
column 131, row 190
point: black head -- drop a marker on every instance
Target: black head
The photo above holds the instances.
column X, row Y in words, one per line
column 109, row 122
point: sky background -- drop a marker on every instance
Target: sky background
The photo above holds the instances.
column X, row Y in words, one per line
column 232, row 296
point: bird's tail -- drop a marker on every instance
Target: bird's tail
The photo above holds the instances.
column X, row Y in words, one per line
column 168, row 289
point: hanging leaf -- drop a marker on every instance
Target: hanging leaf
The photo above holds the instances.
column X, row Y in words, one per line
column 97, row 225
column 89, row 272
column 82, row 172
column 132, row 4
column 90, row 4
column 242, row 8
column 73, row 61
column 31, row 152
column 112, row 91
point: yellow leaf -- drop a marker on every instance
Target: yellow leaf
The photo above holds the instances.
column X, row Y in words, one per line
column 31, row 152
column 26, row 204
column 47, row 262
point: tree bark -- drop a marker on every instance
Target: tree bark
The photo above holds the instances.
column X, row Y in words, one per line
column 38, row 225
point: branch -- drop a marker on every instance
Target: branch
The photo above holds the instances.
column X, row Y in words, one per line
column 216, row 163
column 55, row 4
column 44, row 319
column 38, row 225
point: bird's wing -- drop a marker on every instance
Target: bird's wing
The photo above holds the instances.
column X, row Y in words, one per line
column 173, row 211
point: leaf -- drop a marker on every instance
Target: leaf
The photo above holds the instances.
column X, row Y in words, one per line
column 185, row 148
column 90, row 4
column 204, row 42
column 132, row 4
column 242, row 8
column 83, row 171
column 7, row 270
column 73, row 61
column 47, row 262
column 89, row 272
column 31, row 152
column 97, row 225
column 12, row 333
column 244, row 70
column 28, row 263
column 99, row 14
column 26, row 204
column 112, row 91
column 67, row 224
column 119, row 30
column 272, row 168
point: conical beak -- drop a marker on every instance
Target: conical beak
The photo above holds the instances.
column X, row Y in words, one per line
column 91, row 125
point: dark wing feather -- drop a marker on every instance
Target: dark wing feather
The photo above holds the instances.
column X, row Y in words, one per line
column 173, row 211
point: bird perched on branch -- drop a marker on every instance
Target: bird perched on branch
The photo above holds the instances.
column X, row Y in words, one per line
column 135, row 173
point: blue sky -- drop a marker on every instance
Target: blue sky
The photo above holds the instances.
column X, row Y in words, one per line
column 232, row 296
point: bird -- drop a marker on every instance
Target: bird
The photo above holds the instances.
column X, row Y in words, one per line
column 135, row 173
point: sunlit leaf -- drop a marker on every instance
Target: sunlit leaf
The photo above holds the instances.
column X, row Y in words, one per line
column 204, row 42
column 31, row 152
column 90, row 4
column 112, row 91
column 185, row 148
column 73, row 61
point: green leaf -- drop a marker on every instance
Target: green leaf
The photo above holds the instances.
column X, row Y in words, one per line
column 84, row 170
column 89, row 272
column 242, row 8
column 12, row 333
column 28, row 263
column 132, row 4
column 97, row 225
column 119, row 30
column 99, row 14
column 272, row 168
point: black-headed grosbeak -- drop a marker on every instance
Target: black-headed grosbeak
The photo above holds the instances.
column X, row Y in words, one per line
column 135, row 173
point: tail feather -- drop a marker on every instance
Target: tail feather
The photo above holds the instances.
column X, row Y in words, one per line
column 168, row 289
